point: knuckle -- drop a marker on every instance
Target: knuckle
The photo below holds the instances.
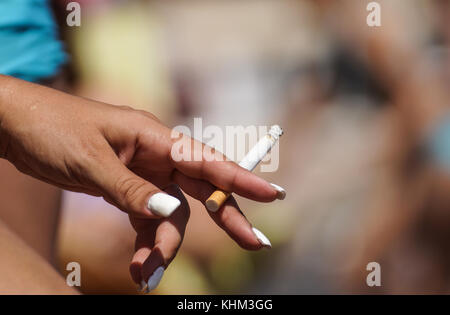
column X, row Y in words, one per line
column 146, row 114
column 129, row 189
column 137, row 113
column 147, row 117
column 150, row 115
column 139, row 116
column 125, row 107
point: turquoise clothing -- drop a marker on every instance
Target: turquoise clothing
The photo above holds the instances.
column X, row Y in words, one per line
column 439, row 143
column 29, row 44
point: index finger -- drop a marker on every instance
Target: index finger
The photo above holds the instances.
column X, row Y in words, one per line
column 197, row 160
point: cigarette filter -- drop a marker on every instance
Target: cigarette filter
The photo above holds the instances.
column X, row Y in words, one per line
column 249, row 162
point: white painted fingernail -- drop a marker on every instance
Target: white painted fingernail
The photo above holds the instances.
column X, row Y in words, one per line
column 281, row 193
column 155, row 278
column 262, row 238
column 163, row 204
column 143, row 287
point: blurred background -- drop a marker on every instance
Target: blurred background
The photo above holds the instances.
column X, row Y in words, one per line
column 364, row 159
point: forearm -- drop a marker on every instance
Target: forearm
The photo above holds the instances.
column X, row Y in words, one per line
column 26, row 108
column 6, row 89
column 13, row 97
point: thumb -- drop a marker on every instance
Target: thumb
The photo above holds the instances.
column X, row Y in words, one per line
column 131, row 193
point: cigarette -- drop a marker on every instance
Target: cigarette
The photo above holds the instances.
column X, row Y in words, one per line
column 249, row 162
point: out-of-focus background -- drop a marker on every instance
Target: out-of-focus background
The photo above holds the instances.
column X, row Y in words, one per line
column 358, row 105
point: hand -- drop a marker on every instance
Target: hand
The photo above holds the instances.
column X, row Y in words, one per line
column 123, row 155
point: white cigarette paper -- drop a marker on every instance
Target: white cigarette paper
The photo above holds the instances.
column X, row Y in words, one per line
column 249, row 162
column 259, row 151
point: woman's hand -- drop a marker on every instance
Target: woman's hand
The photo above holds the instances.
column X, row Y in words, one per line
column 123, row 155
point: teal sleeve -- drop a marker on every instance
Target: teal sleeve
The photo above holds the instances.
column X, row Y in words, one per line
column 29, row 44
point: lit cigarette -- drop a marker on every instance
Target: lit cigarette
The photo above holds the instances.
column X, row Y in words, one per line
column 249, row 162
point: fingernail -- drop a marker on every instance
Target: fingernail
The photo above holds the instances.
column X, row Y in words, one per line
column 281, row 193
column 163, row 204
column 155, row 278
column 143, row 287
column 262, row 238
